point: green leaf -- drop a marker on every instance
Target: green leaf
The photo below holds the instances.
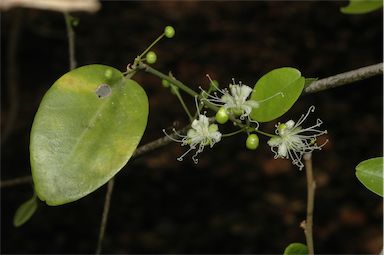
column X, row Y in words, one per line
column 296, row 249
column 87, row 127
column 361, row 6
column 268, row 89
column 370, row 174
column 25, row 211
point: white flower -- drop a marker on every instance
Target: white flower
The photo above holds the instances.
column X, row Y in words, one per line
column 236, row 101
column 292, row 141
column 200, row 135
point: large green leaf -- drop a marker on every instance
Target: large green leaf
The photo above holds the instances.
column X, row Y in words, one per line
column 370, row 174
column 87, row 127
column 296, row 249
column 25, row 211
column 361, row 6
column 268, row 89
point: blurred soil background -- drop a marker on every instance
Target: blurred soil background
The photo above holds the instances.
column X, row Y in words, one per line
column 234, row 200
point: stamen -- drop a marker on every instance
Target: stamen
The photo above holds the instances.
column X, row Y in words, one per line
column 171, row 138
column 185, row 153
column 255, row 122
column 304, row 117
column 197, row 106
column 177, row 133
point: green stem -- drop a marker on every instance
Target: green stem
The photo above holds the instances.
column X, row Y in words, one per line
column 130, row 74
column 263, row 133
column 161, row 75
column 182, row 103
column 150, row 46
column 233, row 133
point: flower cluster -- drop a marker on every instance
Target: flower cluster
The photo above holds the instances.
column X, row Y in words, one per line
column 234, row 101
column 200, row 135
column 293, row 141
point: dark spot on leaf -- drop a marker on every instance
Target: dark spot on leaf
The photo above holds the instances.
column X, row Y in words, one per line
column 103, row 90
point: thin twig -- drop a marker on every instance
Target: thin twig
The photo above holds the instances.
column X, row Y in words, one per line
column 176, row 90
column 13, row 76
column 16, row 181
column 104, row 218
column 344, row 78
column 311, row 187
column 71, row 40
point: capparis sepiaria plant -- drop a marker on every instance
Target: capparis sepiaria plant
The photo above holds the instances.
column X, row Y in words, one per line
column 91, row 120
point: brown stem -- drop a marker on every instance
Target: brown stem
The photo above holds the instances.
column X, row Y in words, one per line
column 344, row 78
column 13, row 76
column 104, row 218
column 311, row 187
column 71, row 40
column 16, row 181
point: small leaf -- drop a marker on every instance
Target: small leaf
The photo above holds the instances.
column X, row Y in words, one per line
column 370, row 174
column 296, row 249
column 87, row 127
column 25, row 211
column 361, row 6
column 268, row 89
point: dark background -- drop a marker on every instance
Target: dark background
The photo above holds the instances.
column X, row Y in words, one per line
column 234, row 200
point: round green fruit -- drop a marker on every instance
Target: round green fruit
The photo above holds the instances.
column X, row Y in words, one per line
column 252, row 142
column 222, row 116
column 169, row 32
column 151, row 57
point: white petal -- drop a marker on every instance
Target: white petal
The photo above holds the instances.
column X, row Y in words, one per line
column 252, row 103
column 282, row 150
column 204, row 120
column 228, row 100
column 216, row 136
column 245, row 91
column 235, row 91
column 274, row 141
column 290, row 124
column 195, row 124
column 191, row 133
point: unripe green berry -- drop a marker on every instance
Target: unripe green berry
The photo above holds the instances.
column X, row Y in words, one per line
column 165, row 83
column 252, row 142
column 151, row 57
column 222, row 116
column 169, row 32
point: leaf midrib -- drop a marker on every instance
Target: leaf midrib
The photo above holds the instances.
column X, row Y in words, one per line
column 86, row 130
